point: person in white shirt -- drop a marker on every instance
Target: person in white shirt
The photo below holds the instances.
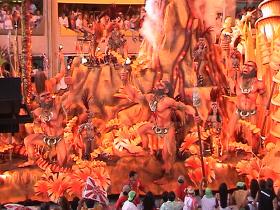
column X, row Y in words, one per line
column 79, row 22
column 172, row 204
column 37, row 18
column 2, row 11
column 16, row 8
column 63, row 20
column 208, row 201
column 8, row 25
column 32, row 8
column 190, row 202
column 1, row 21
column 129, row 205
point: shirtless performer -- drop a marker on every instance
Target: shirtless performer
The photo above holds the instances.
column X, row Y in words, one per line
column 162, row 106
column 248, row 87
column 50, row 118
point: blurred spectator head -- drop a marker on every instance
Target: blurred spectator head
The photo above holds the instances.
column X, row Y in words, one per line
column 45, row 206
column 254, row 187
column 64, row 203
column 164, row 196
column 38, row 12
column 269, row 184
column 133, row 175
column 171, row 196
column 262, row 184
column 75, row 203
column 149, row 201
column 89, row 203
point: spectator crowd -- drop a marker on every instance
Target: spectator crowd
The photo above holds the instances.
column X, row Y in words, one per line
column 10, row 15
column 258, row 195
column 77, row 18
column 254, row 14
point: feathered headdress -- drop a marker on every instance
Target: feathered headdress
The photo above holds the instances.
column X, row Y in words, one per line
column 214, row 94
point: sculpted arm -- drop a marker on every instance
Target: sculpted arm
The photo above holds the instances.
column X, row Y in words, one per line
column 55, row 80
column 36, row 116
column 133, row 94
column 181, row 106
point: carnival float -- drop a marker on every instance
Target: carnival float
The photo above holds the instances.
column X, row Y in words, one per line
column 187, row 105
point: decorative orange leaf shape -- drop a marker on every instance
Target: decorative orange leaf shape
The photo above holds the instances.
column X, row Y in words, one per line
column 82, row 174
column 41, row 188
column 243, row 167
column 5, row 147
column 239, row 146
column 101, row 176
column 255, row 164
column 256, row 168
column 193, row 162
column 189, row 140
column 195, row 176
column 75, row 188
column 58, row 185
column 267, row 172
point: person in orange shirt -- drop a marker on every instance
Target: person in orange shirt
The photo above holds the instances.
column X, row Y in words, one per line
column 180, row 190
column 135, row 185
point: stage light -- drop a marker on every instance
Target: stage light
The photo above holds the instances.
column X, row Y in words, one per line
column 127, row 61
column 4, row 177
column 269, row 23
column 268, row 31
column 267, row 12
column 60, row 47
column 84, row 60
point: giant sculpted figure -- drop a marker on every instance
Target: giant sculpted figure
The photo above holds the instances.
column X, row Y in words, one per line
column 50, row 118
column 161, row 125
column 200, row 59
column 248, row 87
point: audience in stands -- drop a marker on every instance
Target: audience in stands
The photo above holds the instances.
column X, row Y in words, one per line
column 63, row 20
column 260, row 196
column 81, row 19
column 10, row 15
